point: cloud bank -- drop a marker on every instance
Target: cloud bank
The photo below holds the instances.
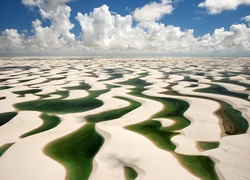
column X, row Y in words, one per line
column 106, row 32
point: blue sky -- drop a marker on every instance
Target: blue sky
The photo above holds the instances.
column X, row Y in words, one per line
column 17, row 19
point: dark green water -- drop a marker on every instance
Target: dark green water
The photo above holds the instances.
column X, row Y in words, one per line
column 4, row 148
column 130, row 173
column 49, row 122
column 6, row 117
column 60, row 106
column 115, row 113
column 76, row 151
column 208, row 145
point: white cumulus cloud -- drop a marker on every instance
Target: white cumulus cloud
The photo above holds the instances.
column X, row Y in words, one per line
column 246, row 19
column 58, row 13
column 217, row 6
column 235, row 40
column 102, row 29
column 153, row 11
column 11, row 40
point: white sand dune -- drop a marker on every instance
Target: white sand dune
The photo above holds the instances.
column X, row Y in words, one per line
column 224, row 154
column 74, row 94
column 205, row 126
column 233, row 156
column 20, row 124
column 25, row 159
column 239, row 104
column 7, row 103
column 114, row 156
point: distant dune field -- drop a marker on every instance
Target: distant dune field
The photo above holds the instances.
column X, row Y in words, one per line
column 124, row 118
